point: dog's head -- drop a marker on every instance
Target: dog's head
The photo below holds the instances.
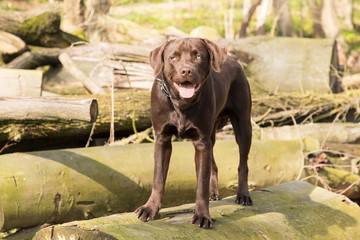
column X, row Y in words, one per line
column 186, row 63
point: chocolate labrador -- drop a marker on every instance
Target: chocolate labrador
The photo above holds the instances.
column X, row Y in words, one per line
column 198, row 88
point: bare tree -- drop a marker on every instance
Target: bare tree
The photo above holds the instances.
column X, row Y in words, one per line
column 74, row 11
column 329, row 20
column 283, row 17
column 263, row 12
column 348, row 13
column 315, row 13
column 247, row 17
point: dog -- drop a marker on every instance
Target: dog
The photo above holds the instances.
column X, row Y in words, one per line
column 197, row 88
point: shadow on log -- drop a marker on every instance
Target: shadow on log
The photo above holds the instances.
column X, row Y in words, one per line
column 101, row 181
column 294, row 210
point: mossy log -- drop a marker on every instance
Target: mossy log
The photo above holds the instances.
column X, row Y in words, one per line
column 294, row 210
column 63, row 185
column 48, row 133
column 270, row 110
column 36, row 58
column 55, row 109
column 40, row 27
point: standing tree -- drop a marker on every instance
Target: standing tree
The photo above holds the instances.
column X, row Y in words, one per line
column 247, row 16
column 315, row 14
column 329, row 20
column 283, row 17
column 262, row 14
column 74, row 11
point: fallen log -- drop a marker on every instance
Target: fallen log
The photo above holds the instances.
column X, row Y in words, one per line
column 287, row 65
column 324, row 132
column 53, row 109
column 294, row 210
column 37, row 134
column 36, row 58
column 18, row 82
column 275, row 110
column 274, row 65
column 88, row 83
column 100, row 181
column 11, row 46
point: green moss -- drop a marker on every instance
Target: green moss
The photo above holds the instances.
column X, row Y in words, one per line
column 46, row 23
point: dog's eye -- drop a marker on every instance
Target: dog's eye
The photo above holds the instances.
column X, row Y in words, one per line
column 173, row 58
column 198, row 56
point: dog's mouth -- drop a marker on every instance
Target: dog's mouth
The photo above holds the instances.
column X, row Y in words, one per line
column 187, row 89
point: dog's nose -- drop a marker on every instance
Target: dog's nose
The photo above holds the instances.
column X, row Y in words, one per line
column 186, row 72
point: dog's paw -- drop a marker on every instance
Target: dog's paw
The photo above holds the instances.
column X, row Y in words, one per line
column 146, row 213
column 244, row 200
column 202, row 221
column 214, row 197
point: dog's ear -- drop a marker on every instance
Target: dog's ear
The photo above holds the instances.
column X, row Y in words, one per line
column 218, row 55
column 156, row 58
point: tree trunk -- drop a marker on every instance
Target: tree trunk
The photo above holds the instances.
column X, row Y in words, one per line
column 262, row 15
column 315, row 14
column 283, row 17
column 349, row 13
column 294, row 210
column 48, row 109
column 100, row 181
column 40, row 27
column 74, row 11
column 246, row 20
column 329, row 20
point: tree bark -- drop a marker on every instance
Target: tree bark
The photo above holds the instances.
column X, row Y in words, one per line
column 315, row 13
column 100, row 181
column 283, row 17
column 272, row 217
column 246, row 20
column 74, row 11
column 47, row 109
column 349, row 13
column 263, row 13
column 329, row 20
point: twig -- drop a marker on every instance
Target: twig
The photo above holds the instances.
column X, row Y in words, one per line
column 350, row 186
column 7, row 145
column 91, row 134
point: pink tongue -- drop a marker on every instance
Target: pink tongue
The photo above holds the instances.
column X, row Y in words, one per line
column 187, row 90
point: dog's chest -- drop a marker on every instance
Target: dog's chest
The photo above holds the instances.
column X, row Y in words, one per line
column 185, row 126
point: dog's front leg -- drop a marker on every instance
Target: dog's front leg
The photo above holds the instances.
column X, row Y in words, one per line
column 203, row 153
column 162, row 153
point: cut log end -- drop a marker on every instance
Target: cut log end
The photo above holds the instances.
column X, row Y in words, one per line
column 93, row 110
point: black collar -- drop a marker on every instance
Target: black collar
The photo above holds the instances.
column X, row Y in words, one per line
column 163, row 87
